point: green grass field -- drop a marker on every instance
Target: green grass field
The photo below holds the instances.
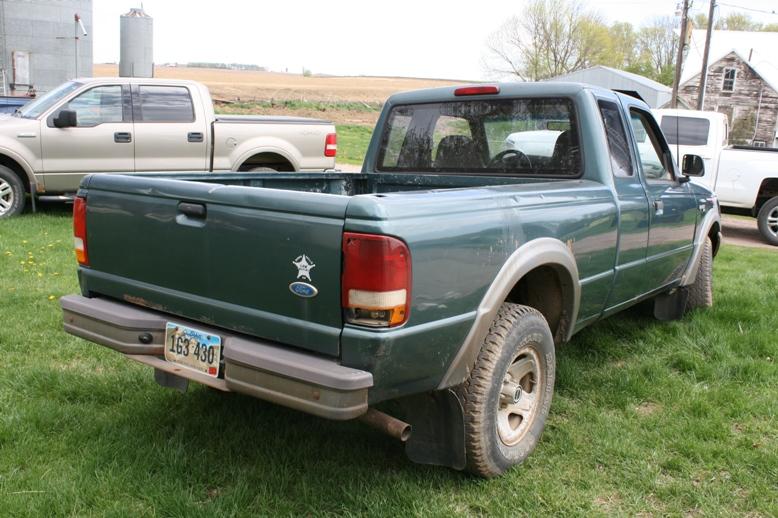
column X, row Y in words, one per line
column 655, row 418
column 352, row 143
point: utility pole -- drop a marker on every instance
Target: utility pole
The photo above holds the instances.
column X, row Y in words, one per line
column 704, row 73
column 679, row 58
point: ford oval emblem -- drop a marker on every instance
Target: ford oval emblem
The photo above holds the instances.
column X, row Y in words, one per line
column 303, row 289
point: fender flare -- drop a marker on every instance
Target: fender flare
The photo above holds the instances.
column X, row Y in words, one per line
column 529, row 256
column 711, row 219
column 32, row 182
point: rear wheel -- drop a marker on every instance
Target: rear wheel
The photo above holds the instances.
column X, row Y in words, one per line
column 12, row 194
column 768, row 221
column 508, row 393
column 263, row 169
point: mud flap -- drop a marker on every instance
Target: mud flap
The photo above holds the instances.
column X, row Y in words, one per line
column 671, row 306
column 438, row 436
column 169, row 380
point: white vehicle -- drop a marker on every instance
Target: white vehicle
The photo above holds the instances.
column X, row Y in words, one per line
column 744, row 178
column 128, row 125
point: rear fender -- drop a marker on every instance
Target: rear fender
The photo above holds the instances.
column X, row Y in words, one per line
column 259, row 145
column 534, row 254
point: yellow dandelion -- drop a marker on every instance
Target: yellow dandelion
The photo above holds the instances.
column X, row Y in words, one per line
column 52, row 297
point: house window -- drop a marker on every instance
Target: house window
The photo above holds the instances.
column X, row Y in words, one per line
column 729, row 80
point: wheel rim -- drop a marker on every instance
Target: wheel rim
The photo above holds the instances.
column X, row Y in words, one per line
column 772, row 221
column 6, row 196
column 520, row 397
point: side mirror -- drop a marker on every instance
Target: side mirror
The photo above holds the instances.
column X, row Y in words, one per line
column 65, row 119
column 693, row 165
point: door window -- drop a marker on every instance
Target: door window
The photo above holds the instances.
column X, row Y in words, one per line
column 655, row 158
column 621, row 162
column 164, row 104
column 100, row 105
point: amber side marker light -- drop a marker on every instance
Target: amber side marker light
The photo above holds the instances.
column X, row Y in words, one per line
column 376, row 282
column 79, row 230
column 477, row 90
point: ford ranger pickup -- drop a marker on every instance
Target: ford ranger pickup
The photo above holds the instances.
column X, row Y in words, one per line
column 441, row 278
column 126, row 125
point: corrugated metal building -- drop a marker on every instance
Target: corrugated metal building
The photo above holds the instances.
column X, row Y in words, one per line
column 655, row 94
column 38, row 43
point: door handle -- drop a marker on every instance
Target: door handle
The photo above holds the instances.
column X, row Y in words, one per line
column 193, row 210
column 122, row 136
column 194, row 136
column 659, row 207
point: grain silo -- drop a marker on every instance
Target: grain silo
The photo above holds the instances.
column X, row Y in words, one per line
column 136, row 52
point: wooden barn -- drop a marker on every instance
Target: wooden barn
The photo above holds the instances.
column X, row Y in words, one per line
column 742, row 82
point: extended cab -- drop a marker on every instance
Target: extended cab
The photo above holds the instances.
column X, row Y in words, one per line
column 745, row 178
column 442, row 277
column 126, row 125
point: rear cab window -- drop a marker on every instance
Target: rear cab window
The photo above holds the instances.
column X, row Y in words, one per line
column 685, row 131
column 522, row 137
column 621, row 160
column 163, row 104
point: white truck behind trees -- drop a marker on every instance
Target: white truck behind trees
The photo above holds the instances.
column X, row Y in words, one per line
column 121, row 125
column 745, row 178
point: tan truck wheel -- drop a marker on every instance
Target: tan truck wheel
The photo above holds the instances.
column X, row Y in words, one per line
column 508, row 393
column 12, row 194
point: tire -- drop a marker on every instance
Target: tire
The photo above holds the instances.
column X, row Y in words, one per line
column 505, row 416
column 767, row 220
column 701, row 291
column 262, row 169
column 12, row 193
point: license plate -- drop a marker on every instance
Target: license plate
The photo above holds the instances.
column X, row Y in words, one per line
column 193, row 348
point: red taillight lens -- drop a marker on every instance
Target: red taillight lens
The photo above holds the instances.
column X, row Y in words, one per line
column 79, row 231
column 477, row 90
column 376, row 284
column 331, row 145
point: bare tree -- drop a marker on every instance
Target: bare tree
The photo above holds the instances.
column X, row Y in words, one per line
column 658, row 45
column 552, row 37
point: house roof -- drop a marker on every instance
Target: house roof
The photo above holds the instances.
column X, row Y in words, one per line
column 759, row 46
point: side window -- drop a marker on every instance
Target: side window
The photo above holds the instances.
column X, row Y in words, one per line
column 102, row 104
column 654, row 158
column 728, row 83
column 621, row 161
column 164, row 104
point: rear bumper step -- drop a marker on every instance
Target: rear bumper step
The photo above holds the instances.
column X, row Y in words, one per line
column 267, row 371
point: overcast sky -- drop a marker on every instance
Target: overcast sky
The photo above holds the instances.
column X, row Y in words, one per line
column 415, row 38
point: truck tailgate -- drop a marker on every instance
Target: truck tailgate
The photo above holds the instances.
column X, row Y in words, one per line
column 232, row 265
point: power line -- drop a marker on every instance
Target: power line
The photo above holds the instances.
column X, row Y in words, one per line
column 749, row 8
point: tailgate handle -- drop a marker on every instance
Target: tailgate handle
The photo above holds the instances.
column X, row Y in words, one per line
column 194, row 136
column 193, row 210
column 122, row 136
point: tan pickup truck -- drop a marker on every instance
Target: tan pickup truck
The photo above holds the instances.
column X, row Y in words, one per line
column 120, row 125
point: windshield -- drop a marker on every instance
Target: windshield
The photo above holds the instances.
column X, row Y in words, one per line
column 34, row 109
column 525, row 137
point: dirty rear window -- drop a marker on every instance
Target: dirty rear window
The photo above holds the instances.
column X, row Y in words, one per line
column 525, row 137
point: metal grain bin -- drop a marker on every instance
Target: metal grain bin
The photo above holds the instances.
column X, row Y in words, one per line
column 136, row 55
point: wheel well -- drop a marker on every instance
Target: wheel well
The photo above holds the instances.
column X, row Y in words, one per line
column 548, row 289
column 14, row 166
column 272, row 160
column 767, row 191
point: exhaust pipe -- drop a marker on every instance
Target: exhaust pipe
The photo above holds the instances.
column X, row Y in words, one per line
column 389, row 425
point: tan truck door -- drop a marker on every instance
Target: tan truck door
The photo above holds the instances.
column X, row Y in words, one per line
column 170, row 133
column 101, row 141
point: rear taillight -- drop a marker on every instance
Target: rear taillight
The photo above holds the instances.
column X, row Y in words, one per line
column 79, row 231
column 376, row 284
column 331, row 145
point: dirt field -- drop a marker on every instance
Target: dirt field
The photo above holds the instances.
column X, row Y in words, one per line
column 249, row 86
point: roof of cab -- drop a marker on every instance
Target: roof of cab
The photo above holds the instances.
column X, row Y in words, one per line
column 506, row 90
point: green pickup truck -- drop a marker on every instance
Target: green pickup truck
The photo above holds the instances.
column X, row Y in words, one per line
column 489, row 224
